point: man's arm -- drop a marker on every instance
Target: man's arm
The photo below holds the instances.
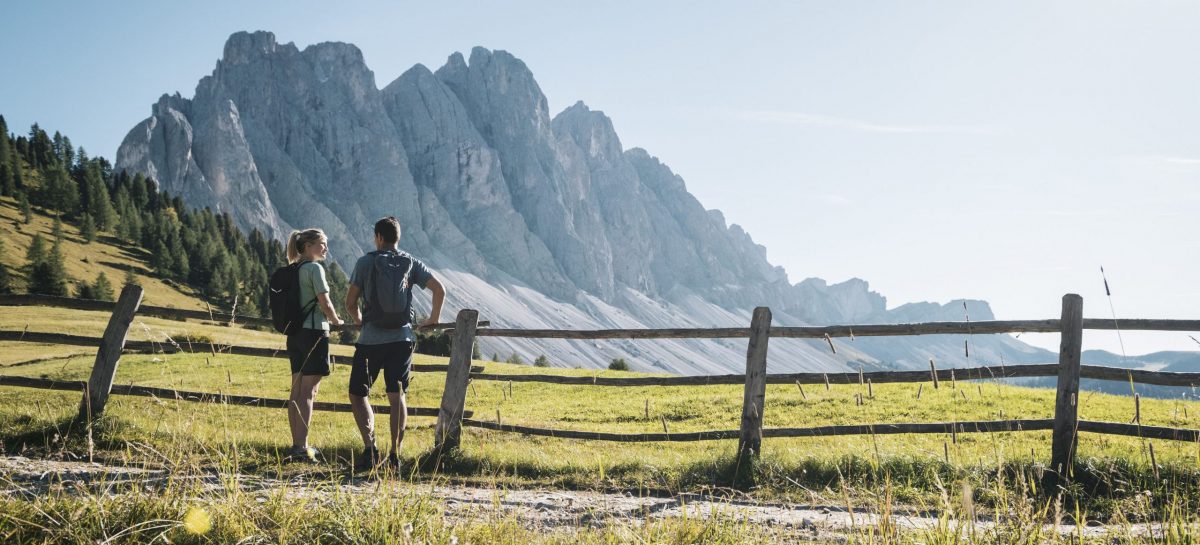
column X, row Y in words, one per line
column 352, row 310
column 439, row 295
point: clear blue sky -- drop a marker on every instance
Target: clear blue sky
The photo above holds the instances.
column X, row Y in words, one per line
column 1001, row 151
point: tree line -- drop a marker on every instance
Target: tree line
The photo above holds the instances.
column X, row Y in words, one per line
column 193, row 246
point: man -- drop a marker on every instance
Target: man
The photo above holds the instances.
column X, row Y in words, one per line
column 384, row 278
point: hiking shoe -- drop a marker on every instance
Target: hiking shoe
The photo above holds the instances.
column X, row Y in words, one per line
column 393, row 462
column 308, row 455
column 368, row 460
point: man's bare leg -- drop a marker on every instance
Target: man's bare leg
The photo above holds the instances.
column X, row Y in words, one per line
column 364, row 416
column 399, row 419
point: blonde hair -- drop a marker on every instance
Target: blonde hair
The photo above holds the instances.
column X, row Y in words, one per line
column 299, row 239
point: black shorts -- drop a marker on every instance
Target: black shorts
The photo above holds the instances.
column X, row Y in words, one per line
column 309, row 351
column 395, row 359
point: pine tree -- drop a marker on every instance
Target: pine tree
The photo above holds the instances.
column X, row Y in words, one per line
column 5, row 278
column 541, row 361
column 338, row 284
column 49, row 277
column 58, row 192
column 130, row 279
column 57, row 230
column 18, row 176
column 95, row 197
column 26, row 208
column 84, row 291
column 161, row 259
column 5, row 145
column 36, row 253
column 102, row 289
column 7, row 187
column 87, row 228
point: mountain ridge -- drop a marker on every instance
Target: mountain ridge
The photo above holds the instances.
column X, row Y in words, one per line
column 541, row 220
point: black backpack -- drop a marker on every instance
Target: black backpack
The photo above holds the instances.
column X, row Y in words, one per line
column 388, row 297
column 286, row 312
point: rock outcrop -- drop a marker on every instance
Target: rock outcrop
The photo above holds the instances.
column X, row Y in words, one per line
column 538, row 221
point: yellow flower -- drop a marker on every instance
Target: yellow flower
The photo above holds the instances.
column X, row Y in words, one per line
column 197, row 521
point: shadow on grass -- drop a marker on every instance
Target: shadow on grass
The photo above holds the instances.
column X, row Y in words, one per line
column 67, row 436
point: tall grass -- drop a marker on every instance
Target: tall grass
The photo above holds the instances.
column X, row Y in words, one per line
column 999, row 475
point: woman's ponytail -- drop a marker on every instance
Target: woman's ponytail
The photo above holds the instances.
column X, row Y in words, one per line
column 299, row 239
column 293, row 253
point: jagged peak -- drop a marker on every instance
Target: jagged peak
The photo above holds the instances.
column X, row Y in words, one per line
column 418, row 70
column 243, row 46
column 455, row 61
column 480, row 54
column 592, row 130
column 578, row 106
column 342, row 50
column 168, row 102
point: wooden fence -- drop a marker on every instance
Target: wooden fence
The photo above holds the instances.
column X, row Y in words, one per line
column 453, row 416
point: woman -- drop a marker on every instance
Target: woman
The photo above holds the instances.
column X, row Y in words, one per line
column 308, row 348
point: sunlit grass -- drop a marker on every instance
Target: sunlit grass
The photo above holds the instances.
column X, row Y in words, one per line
column 788, row 468
column 85, row 261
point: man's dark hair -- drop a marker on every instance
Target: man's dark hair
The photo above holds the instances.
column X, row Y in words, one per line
column 389, row 229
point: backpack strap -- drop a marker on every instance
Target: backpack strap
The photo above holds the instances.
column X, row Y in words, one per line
column 306, row 311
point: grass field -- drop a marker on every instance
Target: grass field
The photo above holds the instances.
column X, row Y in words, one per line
column 1115, row 480
column 1000, row 469
column 794, row 469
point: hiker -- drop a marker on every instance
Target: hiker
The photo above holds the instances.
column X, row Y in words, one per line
column 384, row 278
column 308, row 345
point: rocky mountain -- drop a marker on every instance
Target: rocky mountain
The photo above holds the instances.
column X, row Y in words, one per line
column 538, row 221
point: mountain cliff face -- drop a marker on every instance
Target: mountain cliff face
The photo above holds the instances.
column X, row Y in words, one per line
column 538, row 221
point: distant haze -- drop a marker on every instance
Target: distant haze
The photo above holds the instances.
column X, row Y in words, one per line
column 939, row 151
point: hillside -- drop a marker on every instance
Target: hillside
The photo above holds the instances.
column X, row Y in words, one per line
column 86, row 260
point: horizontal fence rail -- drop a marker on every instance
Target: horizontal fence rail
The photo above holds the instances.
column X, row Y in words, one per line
column 1158, row 378
column 865, row 330
column 159, row 312
column 876, row 377
column 167, row 347
column 986, row 426
column 1137, row 430
column 1141, row 376
column 201, row 397
column 819, row 431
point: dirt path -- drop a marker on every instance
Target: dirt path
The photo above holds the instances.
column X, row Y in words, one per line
column 25, row 477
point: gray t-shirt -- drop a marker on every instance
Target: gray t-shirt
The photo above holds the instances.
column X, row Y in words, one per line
column 371, row 333
column 312, row 284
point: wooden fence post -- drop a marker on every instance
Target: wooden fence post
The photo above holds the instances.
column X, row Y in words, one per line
column 448, row 431
column 750, row 439
column 109, row 354
column 1066, row 404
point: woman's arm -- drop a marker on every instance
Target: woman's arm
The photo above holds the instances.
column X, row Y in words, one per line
column 327, row 309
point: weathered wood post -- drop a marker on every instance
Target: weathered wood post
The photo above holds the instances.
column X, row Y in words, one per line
column 750, row 439
column 448, row 431
column 109, row 354
column 1066, row 404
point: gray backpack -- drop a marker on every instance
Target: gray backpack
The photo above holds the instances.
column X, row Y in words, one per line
column 388, row 301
